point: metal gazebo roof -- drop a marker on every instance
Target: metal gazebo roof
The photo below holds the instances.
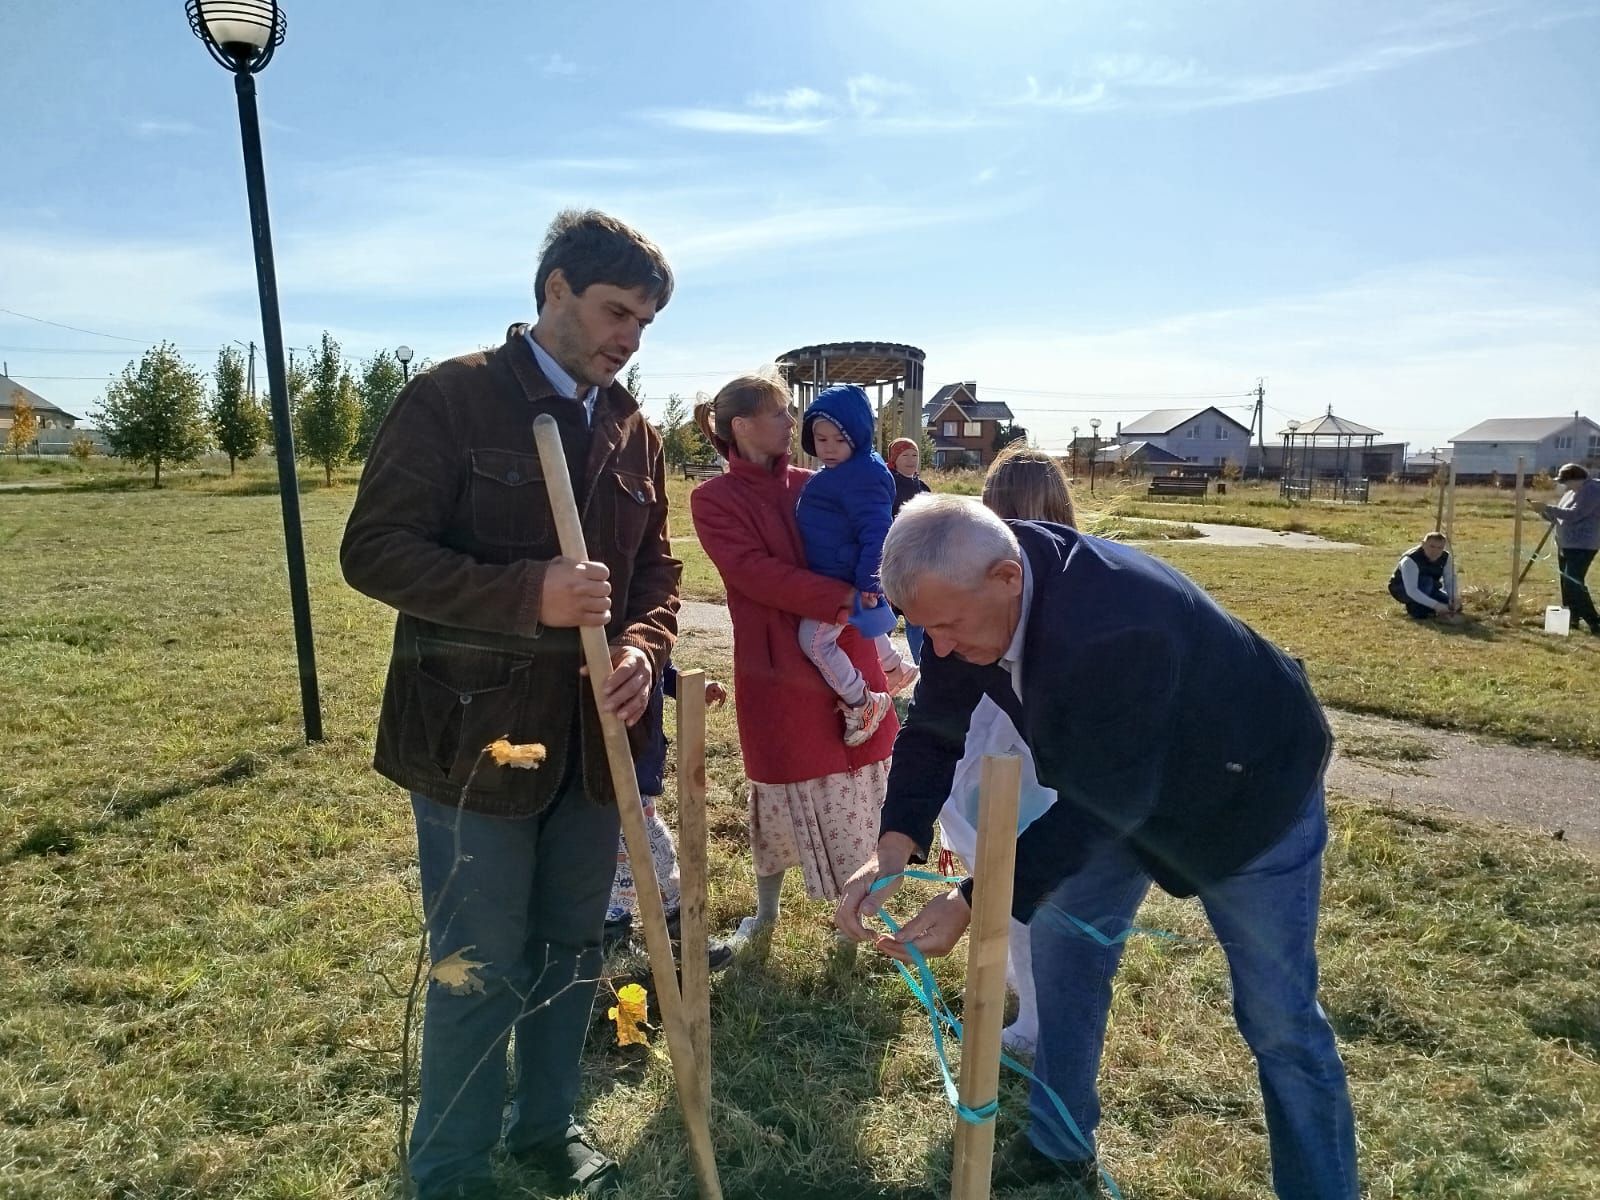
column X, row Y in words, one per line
column 865, row 363
column 1330, row 426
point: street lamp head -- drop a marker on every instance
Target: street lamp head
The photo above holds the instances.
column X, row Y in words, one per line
column 1095, row 425
column 403, row 353
column 240, row 34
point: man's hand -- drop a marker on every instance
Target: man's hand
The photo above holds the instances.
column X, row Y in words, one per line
column 859, row 901
column 934, row 931
column 575, row 593
column 869, row 599
column 715, row 692
column 627, row 689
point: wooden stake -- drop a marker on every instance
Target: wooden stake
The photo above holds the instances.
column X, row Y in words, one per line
column 987, row 945
column 692, row 832
column 597, row 657
column 1449, row 530
column 1516, row 540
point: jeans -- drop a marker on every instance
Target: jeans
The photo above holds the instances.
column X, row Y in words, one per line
column 1265, row 916
column 1574, row 566
column 514, row 910
column 1428, row 587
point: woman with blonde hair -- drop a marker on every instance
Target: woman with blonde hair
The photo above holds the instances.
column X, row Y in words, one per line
column 1024, row 484
column 813, row 800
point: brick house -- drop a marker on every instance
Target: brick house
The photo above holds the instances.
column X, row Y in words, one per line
column 963, row 429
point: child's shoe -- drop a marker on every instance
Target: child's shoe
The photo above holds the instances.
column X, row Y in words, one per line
column 862, row 721
column 902, row 676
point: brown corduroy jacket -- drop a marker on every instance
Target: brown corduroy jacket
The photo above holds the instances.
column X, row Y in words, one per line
column 452, row 527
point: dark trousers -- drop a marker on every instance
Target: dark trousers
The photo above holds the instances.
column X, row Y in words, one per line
column 514, row 910
column 1574, row 566
column 1428, row 587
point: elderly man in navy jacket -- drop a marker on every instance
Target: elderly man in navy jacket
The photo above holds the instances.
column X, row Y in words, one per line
column 1182, row 747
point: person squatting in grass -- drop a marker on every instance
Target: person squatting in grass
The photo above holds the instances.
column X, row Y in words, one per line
column 844, row 512
column 453, row 527
column 1108, row 662
column 1424, row 581
column 813, row 800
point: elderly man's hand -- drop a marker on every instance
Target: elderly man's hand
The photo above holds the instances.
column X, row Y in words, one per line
column 934, row 931
column 859, row 902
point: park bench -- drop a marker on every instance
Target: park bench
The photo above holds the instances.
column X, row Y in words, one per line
column 708, row 470
column 1178, row 485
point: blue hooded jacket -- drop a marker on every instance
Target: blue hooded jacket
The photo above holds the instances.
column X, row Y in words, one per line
column 844, row 511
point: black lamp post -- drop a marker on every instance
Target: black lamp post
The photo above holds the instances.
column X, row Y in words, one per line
column 403, row 353
column 241, row 35
column 1074, row 454
column 1094, row 455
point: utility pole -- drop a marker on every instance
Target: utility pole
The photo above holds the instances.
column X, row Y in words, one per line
column 252, row 372
column 1258, row 422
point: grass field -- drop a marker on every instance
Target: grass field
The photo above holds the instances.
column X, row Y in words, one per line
column 211, row 926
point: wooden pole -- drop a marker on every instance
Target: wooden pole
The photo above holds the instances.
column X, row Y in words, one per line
column 1438, row 518
column 987, row 946
column 692, row 832
column 1450, row 515
column 1516, row 539
column 597, row 656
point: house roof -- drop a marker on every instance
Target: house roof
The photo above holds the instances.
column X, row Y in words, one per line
column 1150, row 451
column 1164, row 420
column 1439, row 454
column 973, row 408
column 1329, row 425
column 1520, row 429
column 9, row 387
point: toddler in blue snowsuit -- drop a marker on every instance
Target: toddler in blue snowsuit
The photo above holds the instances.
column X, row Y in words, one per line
column 843, row 514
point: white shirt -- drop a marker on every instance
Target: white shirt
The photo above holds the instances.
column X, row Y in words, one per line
column 564, row 384
column 1011, row 660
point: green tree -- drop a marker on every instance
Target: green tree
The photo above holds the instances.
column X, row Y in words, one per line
column 24, row 429
column 681, row 439
column 632, row 380
column 82, row 448
column 328, row 417
column 381, row 381
column 237, row 422
column 1004, row 435
column 152, row 412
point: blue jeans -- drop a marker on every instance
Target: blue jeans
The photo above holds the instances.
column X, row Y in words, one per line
column 1265, row 916
column 514, row 910
column 914, row 642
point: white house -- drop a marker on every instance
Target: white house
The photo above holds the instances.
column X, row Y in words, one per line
column 1207, row 436
column 50, row 417
column 1543, row 443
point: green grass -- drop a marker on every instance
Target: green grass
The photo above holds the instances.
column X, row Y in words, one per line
column 210, row 928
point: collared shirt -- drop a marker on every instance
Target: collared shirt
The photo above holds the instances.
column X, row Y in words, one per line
column 564, row 383
column 1011, row 660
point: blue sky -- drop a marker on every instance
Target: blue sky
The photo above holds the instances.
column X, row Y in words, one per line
column 1093, row 209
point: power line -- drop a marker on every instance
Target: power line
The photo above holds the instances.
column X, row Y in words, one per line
column 78, row 378
column 116, row 337
column 1120, row 395
column 86, row 350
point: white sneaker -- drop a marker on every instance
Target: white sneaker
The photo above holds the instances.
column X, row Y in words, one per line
column 862, row 721
column 1019, row 1041
column 748, row 930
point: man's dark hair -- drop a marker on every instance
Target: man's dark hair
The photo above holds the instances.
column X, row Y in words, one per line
column 591, row 247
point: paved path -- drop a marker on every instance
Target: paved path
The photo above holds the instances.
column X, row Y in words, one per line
column 1543, row 790
column 1252, row 537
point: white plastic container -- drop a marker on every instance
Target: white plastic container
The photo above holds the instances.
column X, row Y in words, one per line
column 1558, row 620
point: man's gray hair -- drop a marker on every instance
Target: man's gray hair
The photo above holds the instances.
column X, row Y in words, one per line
column 953, row 537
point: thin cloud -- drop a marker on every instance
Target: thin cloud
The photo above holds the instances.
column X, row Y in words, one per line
column 154, row 128
column 795, row 100
column 717, row 120
column 555, row 66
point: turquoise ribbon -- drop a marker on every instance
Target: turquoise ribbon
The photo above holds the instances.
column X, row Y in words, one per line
column 926, row 989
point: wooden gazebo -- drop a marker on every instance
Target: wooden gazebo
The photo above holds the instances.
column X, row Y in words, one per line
column 1317, row 459
column 872, row 365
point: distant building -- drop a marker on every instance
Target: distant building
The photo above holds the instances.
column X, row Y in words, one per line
column 1206, row 437
column 1492, row 448
column 963, row 429
column 50, row 416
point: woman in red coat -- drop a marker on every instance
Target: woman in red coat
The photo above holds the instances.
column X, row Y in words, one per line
column 813, row 801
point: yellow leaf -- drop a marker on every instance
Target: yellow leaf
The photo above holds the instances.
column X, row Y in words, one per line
column 524, row 757
column 458, row 973
column 631, row 1010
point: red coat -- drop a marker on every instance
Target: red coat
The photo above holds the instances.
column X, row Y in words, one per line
column 790, row 729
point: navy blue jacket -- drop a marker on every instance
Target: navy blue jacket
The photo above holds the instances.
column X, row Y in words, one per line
column 1160, row 720
column 844, row 511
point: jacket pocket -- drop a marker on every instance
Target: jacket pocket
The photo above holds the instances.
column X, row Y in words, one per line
column 635, row 500
column 509, row 503
column 468, row 696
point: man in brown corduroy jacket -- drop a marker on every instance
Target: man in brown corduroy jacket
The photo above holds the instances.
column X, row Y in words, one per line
column 452, row 527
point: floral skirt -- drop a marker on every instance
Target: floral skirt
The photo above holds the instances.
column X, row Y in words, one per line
column 827, row 827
